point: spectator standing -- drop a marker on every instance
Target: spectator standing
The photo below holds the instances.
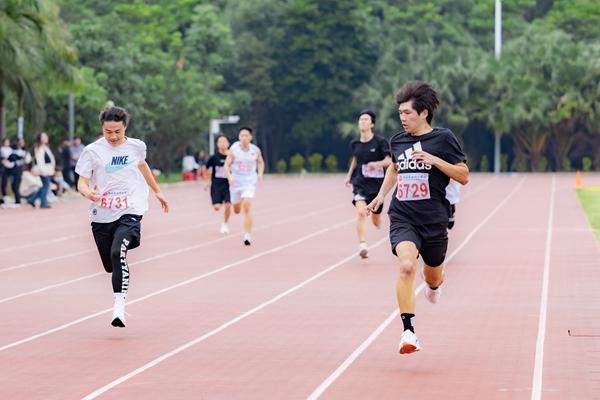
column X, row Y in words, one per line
column 44, row 165
column 65, row 157
column 76, row 150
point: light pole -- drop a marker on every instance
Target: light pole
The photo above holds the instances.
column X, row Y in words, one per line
column 215, row 125
column 71, row 117
column 497, row 51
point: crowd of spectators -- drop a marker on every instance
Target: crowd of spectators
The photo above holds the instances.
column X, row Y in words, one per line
column 34, row 175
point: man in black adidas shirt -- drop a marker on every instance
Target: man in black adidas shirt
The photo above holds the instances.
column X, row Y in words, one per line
column 216, row 178
column 424, row 160
column 370, row 157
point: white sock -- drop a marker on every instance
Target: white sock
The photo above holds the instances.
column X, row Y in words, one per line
column 120, row 298
column 247, row 236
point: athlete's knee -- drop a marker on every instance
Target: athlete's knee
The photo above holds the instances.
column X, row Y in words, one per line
column 408, row 267
column 247, row 206
column 362, row 213
column 217, row 207
column 237, row 208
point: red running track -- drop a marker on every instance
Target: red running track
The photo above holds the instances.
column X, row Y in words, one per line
column 298, row 315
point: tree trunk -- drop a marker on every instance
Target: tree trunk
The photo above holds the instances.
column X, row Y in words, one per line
column 2, row 114
column 563, row 137
column 21, row 115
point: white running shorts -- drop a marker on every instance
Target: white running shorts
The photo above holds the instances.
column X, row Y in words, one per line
column 237, row 193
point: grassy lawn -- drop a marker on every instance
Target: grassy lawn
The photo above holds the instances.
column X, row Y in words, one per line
column 590, row 199
column 169, row 178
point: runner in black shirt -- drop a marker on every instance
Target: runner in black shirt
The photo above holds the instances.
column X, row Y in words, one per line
column 424, row 161
column 370, row 157
column 217, row 180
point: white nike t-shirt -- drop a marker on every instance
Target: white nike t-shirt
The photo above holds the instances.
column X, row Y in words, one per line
column 244, row 164
column 114, row 172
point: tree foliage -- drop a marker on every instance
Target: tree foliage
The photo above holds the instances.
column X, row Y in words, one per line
column 299, row 71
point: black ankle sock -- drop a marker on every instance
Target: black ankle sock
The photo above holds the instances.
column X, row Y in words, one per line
column 406, row 321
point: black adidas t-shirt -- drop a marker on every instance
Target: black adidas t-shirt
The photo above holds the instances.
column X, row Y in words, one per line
column 365, row 181
column 420, row 196
column 217, row 162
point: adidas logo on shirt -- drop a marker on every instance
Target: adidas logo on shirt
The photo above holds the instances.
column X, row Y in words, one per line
column 405, row 162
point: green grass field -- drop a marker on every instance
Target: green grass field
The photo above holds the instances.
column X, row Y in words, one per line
column 170, row 178
column 590, row 200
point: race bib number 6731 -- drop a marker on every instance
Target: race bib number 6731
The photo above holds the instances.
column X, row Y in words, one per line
column 413, row 186
column 114, row 202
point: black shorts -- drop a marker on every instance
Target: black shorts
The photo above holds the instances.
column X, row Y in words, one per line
column 367, row 199
column 113, row 240
column 220, row 194
column 431, row 240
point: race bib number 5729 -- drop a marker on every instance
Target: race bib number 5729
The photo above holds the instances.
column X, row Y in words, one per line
column 413, row 186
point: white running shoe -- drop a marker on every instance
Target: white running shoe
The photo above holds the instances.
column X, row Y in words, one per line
column 247, row 239
column 409, row 343
column 363, row 250
column 118, row 319
column 224, row 228
column 432, row 295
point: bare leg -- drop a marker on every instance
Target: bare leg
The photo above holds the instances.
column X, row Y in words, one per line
column 361, row 228
column 407, row 256
column 247, row 207
column 434, row 276
column 237, row 207
column 376, row 219
column 227, row 212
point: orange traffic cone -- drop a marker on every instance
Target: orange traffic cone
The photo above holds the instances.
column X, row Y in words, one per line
column 578, row 179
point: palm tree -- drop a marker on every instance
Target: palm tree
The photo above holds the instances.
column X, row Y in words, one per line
column 33, row 52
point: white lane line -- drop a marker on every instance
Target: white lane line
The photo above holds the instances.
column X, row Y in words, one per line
column 167, row 254
column 538, row 369
column 180, row 284
column 318, row 392
column 41, row 243
column 46, row 260
column 147, row 237
column 222, row 327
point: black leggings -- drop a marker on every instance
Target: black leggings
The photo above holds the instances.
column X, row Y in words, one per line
column 14, row 173
column 113, row 240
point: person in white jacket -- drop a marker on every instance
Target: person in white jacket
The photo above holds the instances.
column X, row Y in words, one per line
column 44, row 165
column 30, row 183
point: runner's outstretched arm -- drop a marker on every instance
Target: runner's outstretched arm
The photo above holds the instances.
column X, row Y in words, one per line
column 206, row 176
column 83, row 187
column 227, row 168
column 388, row 184
column 383, row 163
column 261, row 166
column 459, row 172
column 149, row 177
column 350, row 170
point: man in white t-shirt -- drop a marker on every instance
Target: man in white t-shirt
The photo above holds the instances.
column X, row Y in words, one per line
column 114, row 176
column 244, row 166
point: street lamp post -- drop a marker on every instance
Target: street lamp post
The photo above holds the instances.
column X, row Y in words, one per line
column 215, row 125
column 497, row 51
column 71, row 117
